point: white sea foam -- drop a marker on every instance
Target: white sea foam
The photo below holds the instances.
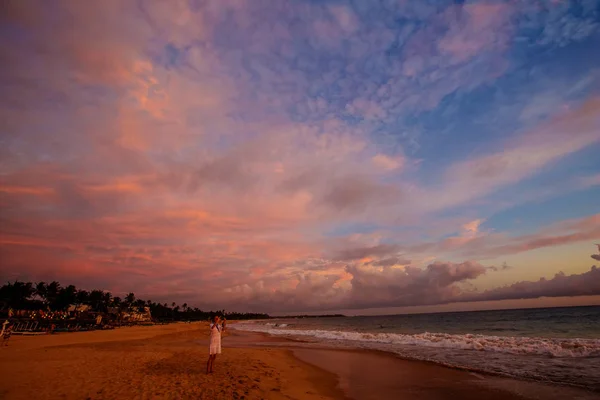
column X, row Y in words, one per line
column 276, row 325
column 565, row 348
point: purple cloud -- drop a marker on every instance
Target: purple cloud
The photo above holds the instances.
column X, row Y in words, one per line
column 584, row 284
column 291, row 154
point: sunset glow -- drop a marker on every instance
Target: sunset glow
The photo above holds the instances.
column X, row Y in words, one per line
column 301, row 156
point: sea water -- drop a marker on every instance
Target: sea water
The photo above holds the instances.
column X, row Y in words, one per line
column 559, row 345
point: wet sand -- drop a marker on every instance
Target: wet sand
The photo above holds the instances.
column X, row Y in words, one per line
column 371, row 375
column 169, row 362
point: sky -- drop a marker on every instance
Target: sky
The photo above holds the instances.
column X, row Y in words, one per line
column 302, row 156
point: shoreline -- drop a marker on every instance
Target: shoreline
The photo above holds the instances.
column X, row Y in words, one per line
column 562, row 362
column 464, row 383
column 169, row 362
column 426, row 380
column 297, row 343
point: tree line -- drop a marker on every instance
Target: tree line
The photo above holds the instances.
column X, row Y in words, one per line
column 41, row 296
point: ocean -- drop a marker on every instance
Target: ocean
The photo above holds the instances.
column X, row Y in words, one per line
column 557, row 345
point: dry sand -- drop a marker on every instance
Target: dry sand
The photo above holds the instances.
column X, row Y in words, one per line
column 157, row 362
column 169, row 362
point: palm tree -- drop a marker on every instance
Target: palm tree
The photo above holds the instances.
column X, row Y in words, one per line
column 52, row 291
column 106, row 300
column 129, row 299
column 83, row 297
column 139, row 303
column 116, row 301
column 96, row 299
column 26, row 290
column 66, row 296
column 16, row 294
column 184, row 307
column 41, row 290
column 118, row 304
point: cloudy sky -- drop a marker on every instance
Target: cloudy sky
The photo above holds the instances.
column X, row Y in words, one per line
column 298, row 156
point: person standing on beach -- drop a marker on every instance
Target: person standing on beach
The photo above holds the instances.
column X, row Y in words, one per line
column 214, row 347
column 4, row 325
column 6, row 332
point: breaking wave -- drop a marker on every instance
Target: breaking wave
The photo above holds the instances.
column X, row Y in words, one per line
column 559, row 348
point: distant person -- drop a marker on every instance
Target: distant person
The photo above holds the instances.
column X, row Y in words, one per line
column 214, row 347
column 6, row 332
column 4, row 324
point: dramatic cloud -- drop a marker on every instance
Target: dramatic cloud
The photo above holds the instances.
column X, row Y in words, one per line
column 587, row 283
column 406, row 286
column 438, row 283
column 295, row 155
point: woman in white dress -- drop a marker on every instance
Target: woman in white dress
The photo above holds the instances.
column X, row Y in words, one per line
column 214, row 347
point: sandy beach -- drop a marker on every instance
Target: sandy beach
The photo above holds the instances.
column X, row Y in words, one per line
column 169, row 362
column 152, row 362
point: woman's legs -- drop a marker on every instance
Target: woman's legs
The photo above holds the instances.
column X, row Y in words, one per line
column 209, row 363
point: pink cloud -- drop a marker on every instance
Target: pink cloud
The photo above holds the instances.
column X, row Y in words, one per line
column 478, row 27
column 469, row 232
column 388, row 163
column 364, row 286
column 494, row 244
column 186, row 180
column 345, row 18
